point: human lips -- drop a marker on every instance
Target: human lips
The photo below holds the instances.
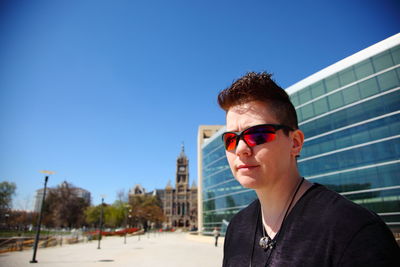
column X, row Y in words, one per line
column 246, row 167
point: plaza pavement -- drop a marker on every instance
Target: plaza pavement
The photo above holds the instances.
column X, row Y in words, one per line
column 161, row 249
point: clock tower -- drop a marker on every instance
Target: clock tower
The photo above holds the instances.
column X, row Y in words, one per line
column 182, row 170
column 180, row 203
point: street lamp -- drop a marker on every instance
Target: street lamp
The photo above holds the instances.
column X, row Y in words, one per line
column 127, row 206
column 40, row 215
column 101, row 220
column 130, row 218
column 139, row 212
column 7, row 216
column 148, row 225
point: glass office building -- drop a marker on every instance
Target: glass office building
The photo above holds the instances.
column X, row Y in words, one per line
column 350, row 115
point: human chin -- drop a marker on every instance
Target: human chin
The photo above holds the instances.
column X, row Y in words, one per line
column 248, row 181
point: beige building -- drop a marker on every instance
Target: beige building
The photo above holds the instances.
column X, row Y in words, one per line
column 204, row 133
column 180, row 203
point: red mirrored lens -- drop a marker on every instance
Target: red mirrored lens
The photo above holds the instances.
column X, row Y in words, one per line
column 254, row 139
column 259, row 135
column 230, row 141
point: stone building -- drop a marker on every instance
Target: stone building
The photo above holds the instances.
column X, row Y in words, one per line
column 136, row 190
column 180, row 203
column 139, row 190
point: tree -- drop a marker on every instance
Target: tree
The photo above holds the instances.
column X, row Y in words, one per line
column 92, row 215
column 21, row 219
column 7, row 191
column 146, row 208
column 64, row 208
column 113, row 215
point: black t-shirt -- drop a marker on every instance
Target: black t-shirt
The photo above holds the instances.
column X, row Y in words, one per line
column 322, row 229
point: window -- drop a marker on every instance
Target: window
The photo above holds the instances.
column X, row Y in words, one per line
column 396, row 55
column 307, row 112
column 343, row 141
column 388, row 80
column 363, row 69
column 332, row 83
column 382, row 61
column 335, row 100
column 347, row 76
column 305, row 95
column 317, row 89
column 351, row 94
column 320, row 106
column 295, row 99
column 369, row 87
column 360, row 137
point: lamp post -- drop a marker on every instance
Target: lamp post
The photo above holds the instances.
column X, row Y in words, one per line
column 148, row 224
column 7, row 216
column 127, row 206
column 101, row 220
column 40, row 216
column 129, row 218
column 138, row 221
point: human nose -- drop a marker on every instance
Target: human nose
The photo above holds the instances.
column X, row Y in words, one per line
column 242, row 148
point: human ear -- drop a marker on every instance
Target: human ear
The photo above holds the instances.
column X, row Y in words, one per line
column 297, row 144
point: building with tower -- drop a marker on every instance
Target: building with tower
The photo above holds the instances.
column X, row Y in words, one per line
column 139, row 190
column 180, row 203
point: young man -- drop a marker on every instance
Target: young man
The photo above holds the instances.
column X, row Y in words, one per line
column 293, row 222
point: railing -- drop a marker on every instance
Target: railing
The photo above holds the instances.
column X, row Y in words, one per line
column 21, row 243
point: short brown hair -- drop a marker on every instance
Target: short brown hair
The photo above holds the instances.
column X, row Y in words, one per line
column 260, row 87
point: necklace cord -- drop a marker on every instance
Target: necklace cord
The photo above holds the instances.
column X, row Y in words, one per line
column 291, row 201
column 262, row 224
column 270, row 240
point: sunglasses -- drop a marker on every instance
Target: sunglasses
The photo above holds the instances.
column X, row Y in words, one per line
column 252, row 136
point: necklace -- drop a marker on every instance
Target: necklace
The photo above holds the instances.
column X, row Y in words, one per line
column 267, row 242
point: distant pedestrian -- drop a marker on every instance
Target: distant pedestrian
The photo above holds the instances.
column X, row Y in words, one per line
column 216, row 234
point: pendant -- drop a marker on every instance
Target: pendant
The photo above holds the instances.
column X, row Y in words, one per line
column 266, row 242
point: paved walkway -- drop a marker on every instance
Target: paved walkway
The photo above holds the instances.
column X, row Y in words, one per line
column 166, row 249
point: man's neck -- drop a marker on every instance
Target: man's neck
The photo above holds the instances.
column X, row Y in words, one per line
column 275, row 200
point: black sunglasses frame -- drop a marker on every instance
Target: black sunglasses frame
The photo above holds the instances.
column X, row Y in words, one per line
column 240, row 135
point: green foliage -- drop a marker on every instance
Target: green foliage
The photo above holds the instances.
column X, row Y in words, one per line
column 114, row 215
column 92, row 215
column 142, row 208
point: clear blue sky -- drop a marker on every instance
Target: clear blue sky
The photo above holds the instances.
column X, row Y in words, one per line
column 105, row 92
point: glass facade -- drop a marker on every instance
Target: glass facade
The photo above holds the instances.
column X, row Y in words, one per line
column 351, row 121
